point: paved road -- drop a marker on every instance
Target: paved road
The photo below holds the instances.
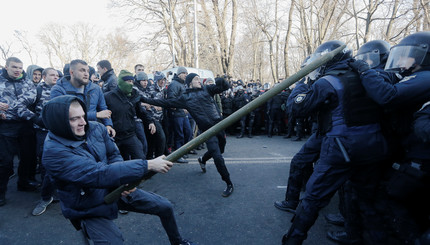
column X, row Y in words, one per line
column 258, row 168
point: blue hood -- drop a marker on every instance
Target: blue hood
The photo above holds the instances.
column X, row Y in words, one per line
column 55, row 116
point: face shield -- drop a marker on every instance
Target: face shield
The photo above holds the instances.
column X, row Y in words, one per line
column 404, row 58
column 372, row 58
column 315, row 73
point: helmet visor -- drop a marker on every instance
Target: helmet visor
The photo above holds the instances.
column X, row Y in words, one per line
column 405, row 57
column 313, row 75
column 372, row 58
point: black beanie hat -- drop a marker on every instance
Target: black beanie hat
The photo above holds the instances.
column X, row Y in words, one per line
column 189, row 78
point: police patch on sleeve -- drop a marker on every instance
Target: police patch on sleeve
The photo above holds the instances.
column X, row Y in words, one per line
column 299, row 98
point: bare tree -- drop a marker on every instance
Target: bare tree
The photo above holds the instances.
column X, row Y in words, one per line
column 210, row 48
column 119, row 50
column 155, row 17
column 389, row 27
column 226, row 45
column 425, row 4
column 53, row 38
column 22, row 37
column 87, row 44
column 269, row 27
column 5, row 49
column 287, row 38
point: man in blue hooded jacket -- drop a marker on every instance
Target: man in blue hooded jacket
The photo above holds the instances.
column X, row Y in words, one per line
column 86, row 164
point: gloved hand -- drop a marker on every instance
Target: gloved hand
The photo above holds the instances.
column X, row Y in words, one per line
column 359, row 65
column 283, row 107
column 36, row 119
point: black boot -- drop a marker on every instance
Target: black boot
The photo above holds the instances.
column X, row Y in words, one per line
column 228, row 190
column 342, row 237
column 242, row 129
column 302, row 222
column 335, row 219
column 269, row 132
column 287, row 240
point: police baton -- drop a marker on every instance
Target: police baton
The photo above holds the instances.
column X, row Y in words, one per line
column 203, row 137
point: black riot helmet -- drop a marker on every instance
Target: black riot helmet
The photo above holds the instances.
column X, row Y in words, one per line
column 412, row 51
column 374, row 52
column 324, row 48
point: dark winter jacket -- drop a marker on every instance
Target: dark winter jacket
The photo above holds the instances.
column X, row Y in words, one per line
column 110, row 81
column 227, row 105
column 84, row 170
column 124, row 111
column 276, row 102
column 240, row 100
column 199, row 102
column 175, row 89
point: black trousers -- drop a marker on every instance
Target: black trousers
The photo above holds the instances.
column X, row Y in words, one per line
column 215, row 146
column 17, row 138
column 301, row 167
column 130, row 148
column 156, row 142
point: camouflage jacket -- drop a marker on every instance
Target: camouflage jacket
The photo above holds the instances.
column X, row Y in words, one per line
column 29, row 98
column 147, row 93
column 10, row 92
column 157, row 93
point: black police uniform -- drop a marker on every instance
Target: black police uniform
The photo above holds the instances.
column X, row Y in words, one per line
column 352, row 144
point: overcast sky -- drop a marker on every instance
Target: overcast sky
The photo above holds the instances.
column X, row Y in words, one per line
column 31, row 15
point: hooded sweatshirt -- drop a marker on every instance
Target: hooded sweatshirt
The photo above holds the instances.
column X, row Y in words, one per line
column 31, row 69
column 84, row 169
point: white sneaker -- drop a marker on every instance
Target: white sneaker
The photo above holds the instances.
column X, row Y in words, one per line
column 41, row 207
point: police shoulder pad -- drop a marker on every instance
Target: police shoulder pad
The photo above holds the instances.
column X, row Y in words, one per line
column 299, row 98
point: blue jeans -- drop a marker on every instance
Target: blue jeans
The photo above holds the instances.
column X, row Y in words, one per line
column 140, row 133
column 182, row 131
column 104, row 231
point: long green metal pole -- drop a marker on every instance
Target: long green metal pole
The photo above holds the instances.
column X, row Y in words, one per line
column 114, row 195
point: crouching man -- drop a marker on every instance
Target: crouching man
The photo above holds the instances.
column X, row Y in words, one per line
column 86, row 164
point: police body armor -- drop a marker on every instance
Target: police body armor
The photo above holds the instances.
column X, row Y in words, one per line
column 354, row 108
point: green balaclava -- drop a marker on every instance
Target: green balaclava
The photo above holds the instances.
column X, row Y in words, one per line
column 125, row 87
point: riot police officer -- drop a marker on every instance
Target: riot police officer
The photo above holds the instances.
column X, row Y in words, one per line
column 410, row 58
column 239, row 101
column 352, row 142
column 375, row 53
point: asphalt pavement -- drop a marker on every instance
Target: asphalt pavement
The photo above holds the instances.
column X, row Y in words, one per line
column 259, row 170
